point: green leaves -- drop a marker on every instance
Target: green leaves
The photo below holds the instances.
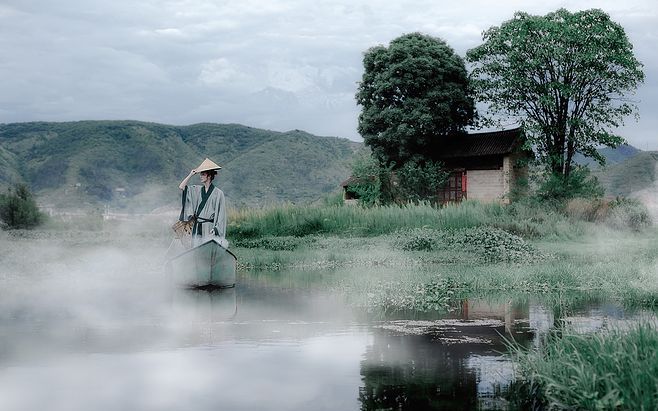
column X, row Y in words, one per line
column 18, row 209
column 564, row 75
column 413, row 93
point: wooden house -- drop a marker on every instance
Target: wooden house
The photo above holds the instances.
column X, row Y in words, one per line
column 483, row 166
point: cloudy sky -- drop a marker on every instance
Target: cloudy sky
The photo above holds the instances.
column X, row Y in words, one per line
column 277, row 64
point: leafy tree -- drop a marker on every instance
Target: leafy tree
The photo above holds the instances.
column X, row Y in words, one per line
column 414, row 94
column 18, row 209
column 557, row 189
column 563, row 76
column 421, row 181
column 370, row 180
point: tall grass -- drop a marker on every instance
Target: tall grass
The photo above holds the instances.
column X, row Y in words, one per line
column 292, row 220
column 617, row 369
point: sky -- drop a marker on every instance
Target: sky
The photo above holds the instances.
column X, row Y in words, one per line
column 278, row 65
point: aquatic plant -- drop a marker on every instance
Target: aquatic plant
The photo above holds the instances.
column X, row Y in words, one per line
column 591, row 371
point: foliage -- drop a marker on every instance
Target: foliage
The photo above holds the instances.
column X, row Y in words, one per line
column 559, row 188
column 628, row 213
column 421, row 181
column 593, row 371
column 485, row 243
column 414, row 93
column 18, row 209
column 369, row 179
column 569, row 92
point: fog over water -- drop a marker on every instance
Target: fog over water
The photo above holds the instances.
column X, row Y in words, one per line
column 89, row 321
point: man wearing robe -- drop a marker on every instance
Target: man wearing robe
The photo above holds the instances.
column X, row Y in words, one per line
column 205, row 204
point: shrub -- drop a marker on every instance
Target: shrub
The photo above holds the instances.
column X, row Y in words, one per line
column 580, row 183
column 628, row 213
column 488, row 243
column 592, row 210
column 417, row 239
column 420, row 181
column 496, row 245
column 18, row 209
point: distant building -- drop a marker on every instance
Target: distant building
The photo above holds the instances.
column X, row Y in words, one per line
column 483, row 166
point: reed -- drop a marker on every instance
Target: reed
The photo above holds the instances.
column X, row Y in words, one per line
column 292, row 220
column 591, row 371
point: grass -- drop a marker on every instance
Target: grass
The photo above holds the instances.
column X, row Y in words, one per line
column 363, row 222
column 591, row 371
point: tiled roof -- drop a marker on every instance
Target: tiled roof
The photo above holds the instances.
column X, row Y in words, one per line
column 482, row 144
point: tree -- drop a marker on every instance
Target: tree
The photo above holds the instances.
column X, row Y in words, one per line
column 413, row 94
column 18, row 209
column 421, row 181
column 370, row 180
column 563, row 76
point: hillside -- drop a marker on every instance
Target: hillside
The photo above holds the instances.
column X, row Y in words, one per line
column 637, row 177
column 634, row 174
column 612, row 156
column 135, row 165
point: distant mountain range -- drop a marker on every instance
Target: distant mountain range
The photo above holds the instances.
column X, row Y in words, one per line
column 136, row 165
column 634, row 174
column 611, row 155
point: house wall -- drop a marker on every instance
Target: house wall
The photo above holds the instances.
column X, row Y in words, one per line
column 495, row 184
column 485, row 185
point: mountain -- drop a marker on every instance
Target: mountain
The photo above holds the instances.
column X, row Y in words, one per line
column 611, row 155
column 630, row 176
column 138, row 166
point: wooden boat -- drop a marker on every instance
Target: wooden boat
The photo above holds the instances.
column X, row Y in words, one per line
column 206, row 265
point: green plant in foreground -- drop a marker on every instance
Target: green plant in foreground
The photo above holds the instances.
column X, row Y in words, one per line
column 18, row 209
column 616, row 369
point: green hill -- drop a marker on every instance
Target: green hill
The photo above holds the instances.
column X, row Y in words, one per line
column 612, row 156
column 630, row 176
column 137, row 165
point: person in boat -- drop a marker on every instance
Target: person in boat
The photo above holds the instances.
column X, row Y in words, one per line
column 205, row 204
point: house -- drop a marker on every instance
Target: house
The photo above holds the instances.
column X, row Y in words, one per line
column 483, row 166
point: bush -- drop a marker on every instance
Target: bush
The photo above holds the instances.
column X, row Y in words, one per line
column 627, row 213
column 420, row 181
column 18, row 209
column 417, row 239
column 488, row 243
column 579, row 184
column 593, row 210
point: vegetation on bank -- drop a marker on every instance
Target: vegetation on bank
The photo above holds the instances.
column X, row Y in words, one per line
column 18, row 209
column 529, row 219
column 614, row 369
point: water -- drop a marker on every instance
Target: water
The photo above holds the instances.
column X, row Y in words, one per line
column 99, row 329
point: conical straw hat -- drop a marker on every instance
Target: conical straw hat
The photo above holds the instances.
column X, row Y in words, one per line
column 206, row 165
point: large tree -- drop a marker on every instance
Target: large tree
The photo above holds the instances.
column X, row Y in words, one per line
column 564, row 76
column 414, row 93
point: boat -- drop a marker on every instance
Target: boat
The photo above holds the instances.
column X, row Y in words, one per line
column 208, row 265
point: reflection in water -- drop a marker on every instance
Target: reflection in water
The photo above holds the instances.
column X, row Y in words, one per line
column 98, row 331
column 449, row 364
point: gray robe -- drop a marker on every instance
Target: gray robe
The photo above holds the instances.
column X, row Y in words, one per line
column 211, row 220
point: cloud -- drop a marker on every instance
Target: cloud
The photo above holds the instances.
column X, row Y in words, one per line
column 187, row 61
